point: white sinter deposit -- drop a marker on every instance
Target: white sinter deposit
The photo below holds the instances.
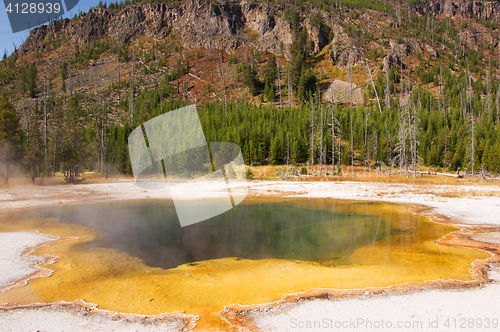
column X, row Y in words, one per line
column 475, row 309
column 15, row 266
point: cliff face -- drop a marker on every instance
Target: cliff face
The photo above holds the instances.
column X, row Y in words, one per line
column 205, row 24
column 487, row 10
column 201, row 24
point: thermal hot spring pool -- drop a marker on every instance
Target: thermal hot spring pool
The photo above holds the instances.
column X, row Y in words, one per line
column 134, row 257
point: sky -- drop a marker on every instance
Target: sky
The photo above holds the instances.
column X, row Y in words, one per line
column 9, row 39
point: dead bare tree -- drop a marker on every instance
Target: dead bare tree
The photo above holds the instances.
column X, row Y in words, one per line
column 401, row 145
column 367, row 149
column 375, row 145
column 279, row 82
column 290, row 91
column 390, row 139
column 132, row 97
column 472, row 125
column 498, row 109
column 101, row 119
column 488, row 89
column 498, row 91
column 312, row 138
column 373, row 85
column 350, row 111
column 468, row 96
column 287, row 151
column 321, row 144
column 387, row 91
column 334, row 124
column 441, row 92
column 45, row 118
column 223, row 81
column 414, row 129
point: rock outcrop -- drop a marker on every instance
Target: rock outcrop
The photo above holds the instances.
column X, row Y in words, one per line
column 487, row 10
column 231, row 24
column 315, row 36
column 343, row 50
column 396, row 52
column 339, row 93
column 200, row 24
column 409, row 46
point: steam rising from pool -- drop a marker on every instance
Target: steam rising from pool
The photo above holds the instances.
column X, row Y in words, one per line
column 311, row 245
column 297, row 229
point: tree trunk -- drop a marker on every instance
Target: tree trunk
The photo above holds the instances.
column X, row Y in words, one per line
column 333, row 140
column 279, row 82
column 312, row 138
column 55, row 151
column 46, row 141
column 321, row 146
column 6, row 177
column 223, row 82
column 350, row 111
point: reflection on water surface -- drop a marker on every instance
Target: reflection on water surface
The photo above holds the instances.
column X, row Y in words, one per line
column 256, row 253
column 318, row 230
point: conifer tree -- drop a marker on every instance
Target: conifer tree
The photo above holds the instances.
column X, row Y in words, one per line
column 10, row 136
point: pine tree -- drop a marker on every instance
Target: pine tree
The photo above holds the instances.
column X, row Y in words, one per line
column 312, row 137
column 22, row 79
column 32, row 80
column 73, row 147
column 273, row 151
column 402, row 144
column 270, row 71
column 414, row 129
column 34, row 156
column 250, row 78
column 10, row 136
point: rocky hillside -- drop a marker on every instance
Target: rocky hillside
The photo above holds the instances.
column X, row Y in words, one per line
column 418, row 36
column 202, row 24
column 423, row 77
column 207, row 24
